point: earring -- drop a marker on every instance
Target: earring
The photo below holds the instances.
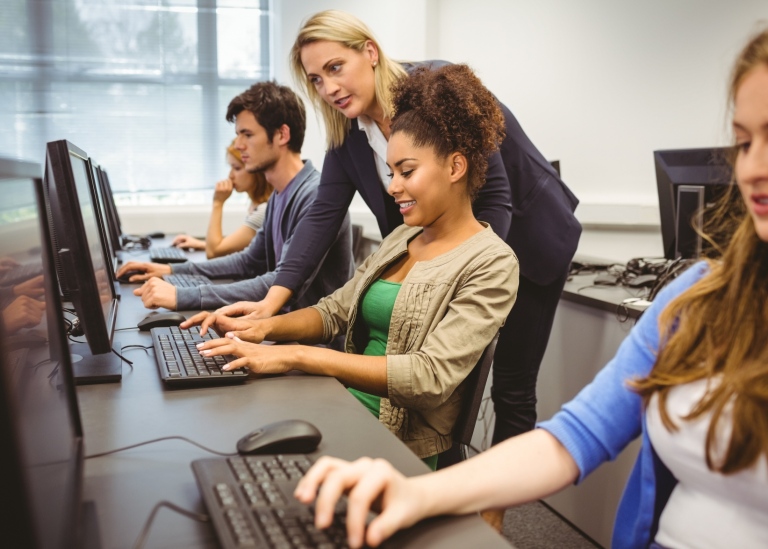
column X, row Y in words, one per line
column 375, row 63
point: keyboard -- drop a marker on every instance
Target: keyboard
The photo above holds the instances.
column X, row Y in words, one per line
column 187, row 280
column 180, row 363
column 167, row 255
column 251, row 504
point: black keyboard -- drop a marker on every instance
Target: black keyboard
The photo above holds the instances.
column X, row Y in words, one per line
column 187, row 280
column 167, row 255
column 251, row 504
column 181, row 364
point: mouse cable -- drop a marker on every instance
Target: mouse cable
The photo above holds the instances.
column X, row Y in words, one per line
column 123, row 358
column 129, row 347
column 128, row 328
column 173, row 507
column 172, row 437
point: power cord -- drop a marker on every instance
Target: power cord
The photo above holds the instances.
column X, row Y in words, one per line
column 173, row 507
column 172, row 437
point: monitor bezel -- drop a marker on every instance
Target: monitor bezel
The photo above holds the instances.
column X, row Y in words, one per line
column 97, row 194
column 113, row 218
column 19, row 511
column 79, row 278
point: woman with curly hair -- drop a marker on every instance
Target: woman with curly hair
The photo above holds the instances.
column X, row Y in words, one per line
column 418, row 312
column 241, row 181
column 347, row 76
column 691, row 380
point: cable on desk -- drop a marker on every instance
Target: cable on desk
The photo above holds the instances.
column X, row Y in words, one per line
column 123, row 358
column 147, row 348
column 172, row 437
column 129, row 328
column 173, row 507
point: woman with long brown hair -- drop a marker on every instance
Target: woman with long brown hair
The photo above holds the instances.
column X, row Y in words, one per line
column 691, row 380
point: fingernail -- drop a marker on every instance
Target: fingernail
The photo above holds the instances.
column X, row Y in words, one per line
column 206, row 353
column 200, row 345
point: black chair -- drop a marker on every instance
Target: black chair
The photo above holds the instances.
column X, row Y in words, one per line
column 473, row 398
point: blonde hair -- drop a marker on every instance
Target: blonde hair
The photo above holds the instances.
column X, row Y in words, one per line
column 718, row 328
column 261, row 190
column 350, row 32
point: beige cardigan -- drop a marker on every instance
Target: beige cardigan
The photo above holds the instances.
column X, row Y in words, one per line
column 447, row 311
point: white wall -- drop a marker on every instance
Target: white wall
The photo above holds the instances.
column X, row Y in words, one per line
column 597, row 84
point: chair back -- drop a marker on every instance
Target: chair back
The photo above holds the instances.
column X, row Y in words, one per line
column 473, row 396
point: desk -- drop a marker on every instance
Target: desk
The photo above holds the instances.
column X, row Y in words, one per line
column 126, row 486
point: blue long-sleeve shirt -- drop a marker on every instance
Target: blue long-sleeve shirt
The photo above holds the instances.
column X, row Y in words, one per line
column 258, row 265
column 607, row 415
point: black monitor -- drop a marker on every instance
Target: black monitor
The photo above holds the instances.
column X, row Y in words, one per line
column 85, row 275
column 40, row 429
column 688, row 181
column 97, row 194
column 114, row 228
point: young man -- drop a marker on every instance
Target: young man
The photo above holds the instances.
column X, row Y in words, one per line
column 269, row 122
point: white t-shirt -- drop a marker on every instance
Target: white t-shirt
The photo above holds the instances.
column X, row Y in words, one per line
column 255, row 217
column 378, row 143
column 706, row 508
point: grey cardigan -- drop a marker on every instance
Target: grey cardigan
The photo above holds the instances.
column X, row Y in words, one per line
column 257, row 263
column 447, row 311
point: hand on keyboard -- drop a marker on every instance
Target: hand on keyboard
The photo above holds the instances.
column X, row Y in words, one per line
column 145, row 270
column 157, row 293
column 222, row 323
column 367, row 482
column 260, row 359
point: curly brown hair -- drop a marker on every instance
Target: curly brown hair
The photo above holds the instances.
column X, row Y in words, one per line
column 450, row 110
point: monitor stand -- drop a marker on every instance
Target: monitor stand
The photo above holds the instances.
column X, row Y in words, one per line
column 90, row 368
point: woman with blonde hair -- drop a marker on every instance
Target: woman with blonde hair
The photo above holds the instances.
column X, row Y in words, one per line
column 419, row 311
column 345, row 72
column 691, row 380
column 241, row 181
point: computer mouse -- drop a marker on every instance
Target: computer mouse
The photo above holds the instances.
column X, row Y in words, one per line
column 156, row 234
column 292, row 436
column 125, row 277
column 160, row 320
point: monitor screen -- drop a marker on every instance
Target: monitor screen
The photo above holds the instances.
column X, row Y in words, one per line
column 98, row 197
column 689, row 181
column 40, row 486
column 84, row 273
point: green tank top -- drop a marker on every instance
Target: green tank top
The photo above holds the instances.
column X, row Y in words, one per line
column 376, row 314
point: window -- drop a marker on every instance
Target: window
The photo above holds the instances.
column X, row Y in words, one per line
column 141, row 85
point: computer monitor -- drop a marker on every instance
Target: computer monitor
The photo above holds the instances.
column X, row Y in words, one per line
column 114, row 227
column 40, row 428
column 85, row 275
column 97, row 194
column 689, row 181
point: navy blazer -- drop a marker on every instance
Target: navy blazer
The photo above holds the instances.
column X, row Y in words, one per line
column 523, row 199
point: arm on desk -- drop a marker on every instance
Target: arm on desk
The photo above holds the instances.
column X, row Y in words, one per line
column 521, row 469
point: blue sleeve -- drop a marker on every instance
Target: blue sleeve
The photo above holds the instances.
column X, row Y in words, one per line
column 607, row 415
column 251, row 263
column 318, row 229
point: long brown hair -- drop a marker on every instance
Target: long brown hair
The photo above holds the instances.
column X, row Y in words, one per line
column 718, row 329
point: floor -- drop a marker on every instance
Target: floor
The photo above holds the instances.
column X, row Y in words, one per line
column 535, row 526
